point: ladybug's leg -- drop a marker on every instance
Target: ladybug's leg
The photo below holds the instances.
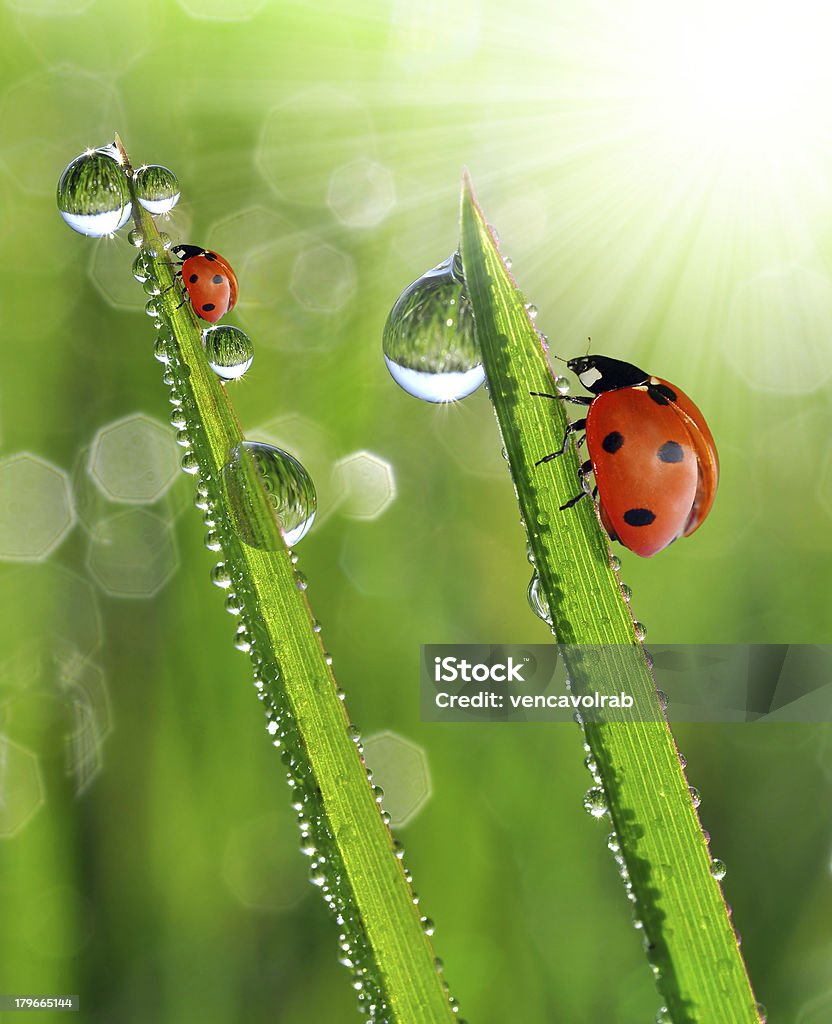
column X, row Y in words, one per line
column 574, row 399
column 583, row 472
column 571, row 428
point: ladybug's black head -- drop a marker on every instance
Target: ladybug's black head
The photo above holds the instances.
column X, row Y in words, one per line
column 185, row 252
column 601, row 373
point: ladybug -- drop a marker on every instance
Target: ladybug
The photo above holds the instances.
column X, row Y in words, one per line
column 654, row 459
column 210, row 282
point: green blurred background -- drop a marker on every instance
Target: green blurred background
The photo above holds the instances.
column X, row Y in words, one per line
column 658, row 186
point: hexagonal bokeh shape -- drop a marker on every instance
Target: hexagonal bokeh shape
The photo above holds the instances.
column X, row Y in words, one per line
column 36, row 508
column 52, row 100
column 132, row 554
column 247, row 231
column 268, row 310
column 401, row 769
column 365, row 485
column 222, row 10
column 54, row 611
column 109, row 271
column 21, row 787
column 323, row 278
column 134, row 460
column 306, row 137
column 361, row 193
column 261, row 866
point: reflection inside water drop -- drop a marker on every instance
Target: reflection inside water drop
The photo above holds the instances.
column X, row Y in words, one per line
column 229, row 351
column 157, row 189
column 253, row 471
column 429, row 344
column 93, row 197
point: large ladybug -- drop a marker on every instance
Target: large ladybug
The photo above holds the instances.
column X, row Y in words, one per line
column 653, row 457
column 208, row 279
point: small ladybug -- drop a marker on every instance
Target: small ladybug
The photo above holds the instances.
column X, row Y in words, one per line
column 654, row 460
column 210, row 282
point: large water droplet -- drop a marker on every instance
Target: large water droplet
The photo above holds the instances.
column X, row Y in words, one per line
column 537, row 600
column 229, row 351
column 156, row 188
column 254, row 471
column 93, row 197
column 429, row 344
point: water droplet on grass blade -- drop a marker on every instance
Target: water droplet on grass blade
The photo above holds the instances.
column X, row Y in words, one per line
column 267, row 489
column 156, row 188
column 718, row 869
column 229, row 351
column 93, row 197
column 595, row 802
column 428, row 344
column 537, row 600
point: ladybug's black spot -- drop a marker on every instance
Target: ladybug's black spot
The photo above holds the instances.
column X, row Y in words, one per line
column 639, row 517
column 193, row 278
column 217, row 278
column 208, row 307
column 671, row 451
column 612, row 442
column 661, row 393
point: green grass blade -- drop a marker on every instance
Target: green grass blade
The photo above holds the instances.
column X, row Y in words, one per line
column 353, row 860
column 663, row 853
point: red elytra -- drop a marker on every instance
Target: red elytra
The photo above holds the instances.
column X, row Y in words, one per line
column 210, row 282
column 654, row 459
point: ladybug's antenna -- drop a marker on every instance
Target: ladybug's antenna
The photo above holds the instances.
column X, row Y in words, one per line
column 588, row 345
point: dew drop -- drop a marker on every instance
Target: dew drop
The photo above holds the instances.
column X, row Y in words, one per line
column 562, row 385
column 595, row 802
column 695, row 795
column 93, row 196
column 718, row 869
column 141, row 270
column 220, row 576
column 156, row 188
column 615, row 562
column 428, row 343
column 762, row 1013
column 161, row 350
column 531, row 310
column 626, row 592
column 428, row 927
column 135, row 237
column 537, row 600
column 190, row 463
column 267, row 490
column 663, row 1016
column 640, row 630
column 228, row 350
